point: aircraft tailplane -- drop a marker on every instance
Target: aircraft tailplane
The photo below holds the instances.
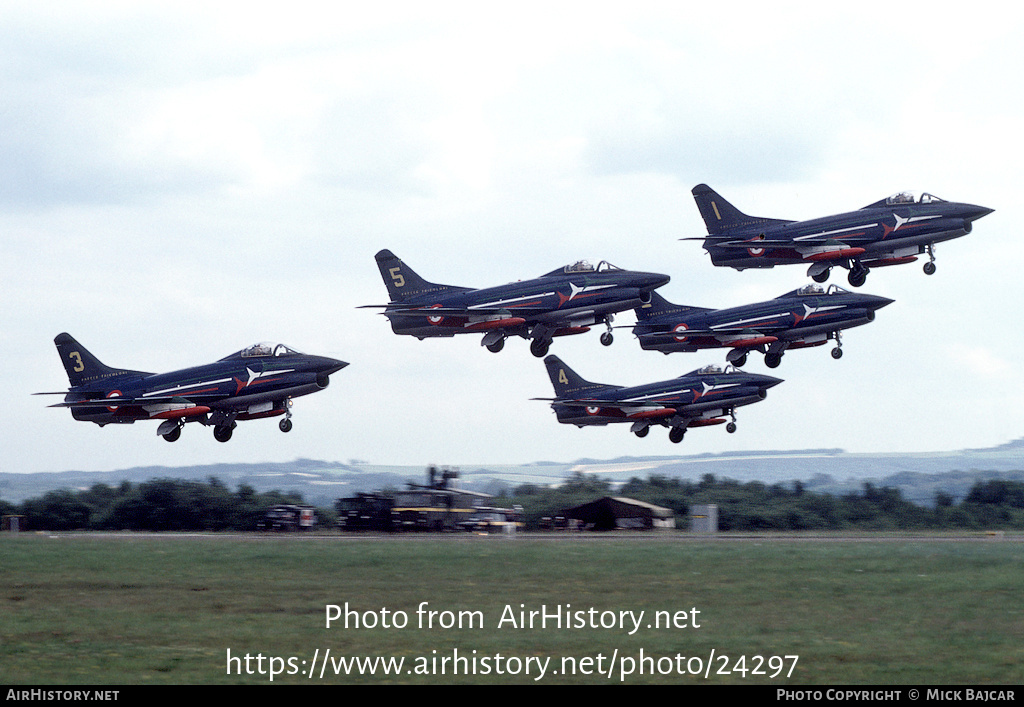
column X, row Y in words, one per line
column 82, row 367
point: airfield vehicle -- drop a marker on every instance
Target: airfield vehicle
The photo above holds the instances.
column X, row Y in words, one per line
column 364, row 511
column 487, row 519
column 435, row 506
column 289, row 517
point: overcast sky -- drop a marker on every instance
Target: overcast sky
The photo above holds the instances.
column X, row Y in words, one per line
column 180, row 180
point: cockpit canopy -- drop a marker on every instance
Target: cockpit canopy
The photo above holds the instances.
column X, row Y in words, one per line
column 711, row 368
column 907, row 197
column 265, row 349
column 816, row 289
column 585, row 266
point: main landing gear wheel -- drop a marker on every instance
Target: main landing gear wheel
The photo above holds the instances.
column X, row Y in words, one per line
column 222, row 433
column 675, row 435
column 539, row 347
column 772, row 360
column 285, row 425
column 822, row 276
column 642, row 432
column 496, row 346
column 173, row 435
column 607, row 338
column 858, row 274
column 741, row 361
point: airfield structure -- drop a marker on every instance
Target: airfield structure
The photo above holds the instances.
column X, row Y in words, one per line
column 13, row 523
column 704, row 519
column 617, row 513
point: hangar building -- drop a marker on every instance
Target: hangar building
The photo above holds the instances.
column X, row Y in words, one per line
column 616, row 512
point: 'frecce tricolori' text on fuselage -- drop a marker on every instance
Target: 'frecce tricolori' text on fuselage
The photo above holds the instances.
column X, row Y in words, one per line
column 808, row 316
column 259, row 381
column 563, row 302
column 892, row 231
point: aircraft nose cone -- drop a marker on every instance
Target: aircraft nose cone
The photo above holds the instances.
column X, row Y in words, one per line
column 767, row 382
column 330, row 365
column 653, row 281
column 976, row 212
column 879, row 302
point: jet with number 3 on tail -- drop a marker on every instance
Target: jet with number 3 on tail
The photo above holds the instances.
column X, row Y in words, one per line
column 256, row 382
column 563, row 302
column 698, row 399
column 808, row 316
column 892, row 231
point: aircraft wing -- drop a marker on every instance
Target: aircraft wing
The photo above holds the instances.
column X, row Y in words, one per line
column 638, row 409
column 482, row 311
column 732, row 336
column 731, row 242
column 813, row 248
column 127, row 402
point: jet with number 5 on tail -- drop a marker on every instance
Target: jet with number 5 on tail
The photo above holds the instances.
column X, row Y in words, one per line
column 565, row 301
column 809, row 316
column 698, row 399
column 892, row 231
column 256, row 382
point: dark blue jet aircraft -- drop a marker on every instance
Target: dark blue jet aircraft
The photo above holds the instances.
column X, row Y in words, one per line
column 565, row 301
column 892, row 231
column 698, row 399
column 809, row 316
column 259, row 381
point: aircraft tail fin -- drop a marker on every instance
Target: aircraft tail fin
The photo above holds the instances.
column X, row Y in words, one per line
column 568, row 383
column 720, row 216
column 82, row 367
column 402, row 282
column 659, row 305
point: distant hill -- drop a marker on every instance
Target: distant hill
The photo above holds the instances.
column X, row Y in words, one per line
column 919, row 476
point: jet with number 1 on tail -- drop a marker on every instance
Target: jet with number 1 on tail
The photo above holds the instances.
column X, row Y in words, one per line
column 259, row 381
column 698, row 399
column 565, row 301
column 892, row 231
column 808, row 316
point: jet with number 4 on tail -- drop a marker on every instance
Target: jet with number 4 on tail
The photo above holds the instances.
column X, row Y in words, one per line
column 565, row 301
column 697, row 399
column 892, row 231
column 256, row 382
column 809, row 316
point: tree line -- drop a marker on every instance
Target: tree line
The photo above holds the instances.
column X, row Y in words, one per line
column 159, row 504
column 753, row 506
column 174, row 504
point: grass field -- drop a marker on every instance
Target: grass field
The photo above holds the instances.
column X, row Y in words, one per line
column 128, row 609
